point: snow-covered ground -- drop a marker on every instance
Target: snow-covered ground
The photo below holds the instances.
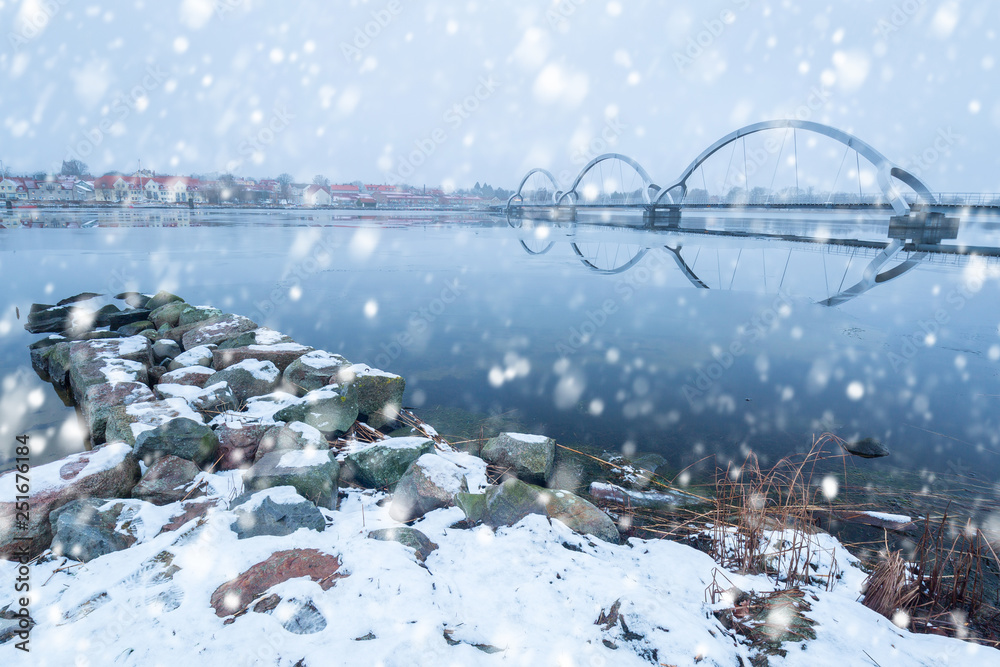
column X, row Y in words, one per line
column 533, row 590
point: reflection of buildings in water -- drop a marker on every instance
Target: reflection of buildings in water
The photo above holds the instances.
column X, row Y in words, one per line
column 728, row 256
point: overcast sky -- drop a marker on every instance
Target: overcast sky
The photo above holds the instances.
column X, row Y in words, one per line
column 457, row 92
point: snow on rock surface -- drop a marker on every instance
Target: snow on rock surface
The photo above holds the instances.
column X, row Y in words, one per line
column 533, row 591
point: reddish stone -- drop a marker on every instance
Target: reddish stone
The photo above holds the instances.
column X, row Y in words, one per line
column 234, row 596
column 280, row 355
column 238, row 446
column 192, row 509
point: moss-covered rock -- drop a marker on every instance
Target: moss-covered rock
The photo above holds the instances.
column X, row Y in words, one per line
column 382, row 464
column 530, row 458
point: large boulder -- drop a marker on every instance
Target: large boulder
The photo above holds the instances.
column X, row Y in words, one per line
column 192, row 376
column 120, row 319
column 234, row 596
column 88, row 528
column 286, row 437
column 381, row 465
column 108, row 471
column 212, row 400
column 164, row 350
column 160, row 298
column 408, row 537
column 238, row 443
column 181, row 437
column 108, row 360
column 313, row 473
column 281, row 355
column 136, row 328
column 101, row 399
column 276, row 511
column 331, row 409
column 261, row 336
column 511, row 501
column 126, row 422
column 429, row 483
column 215, row 330
column 45, row 319
column 868, row 448
column 194, row 314
column 249, row 377
column 195, row 356
column 58, row 363
column 380, row 394
column 40, row 351
column 168, row 480
column 168, row 313
column 530, row 458
column 312, row 371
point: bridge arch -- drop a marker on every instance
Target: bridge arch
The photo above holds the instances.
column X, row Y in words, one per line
column 573, row 195
column 886, row 171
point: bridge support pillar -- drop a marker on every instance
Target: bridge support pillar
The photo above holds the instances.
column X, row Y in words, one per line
column 923, row 226
column 666, row 216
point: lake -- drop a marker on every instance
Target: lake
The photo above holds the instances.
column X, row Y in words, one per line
column 728, row 335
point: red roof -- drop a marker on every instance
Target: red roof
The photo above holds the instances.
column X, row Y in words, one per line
column 344, row 188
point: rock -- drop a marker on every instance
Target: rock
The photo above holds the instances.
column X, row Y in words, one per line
column 160, row 298
column 168, row 313
column 194, row 314
column 165, row 349
column 111, row 360
column 196, row 356
column 332, row 409
column 45, row 319
column 659, row 500
column 238, row 443
column 150, row 334
column 167, row 481
column 429, row 483
column 291, row 436
column 382, row 464
column 181, row 437
column 300, row 617
column 314, row 474
column 313, row 370
column 86, row 529
column 248, row 378
column 107, row 471
column 276, row 511
column 261, row 336
column 118, row 320
column 210, row 401
column 511, row 501
column 259, row 409
column 234, row 596
column 216, row 330
column 869, row 448
column 530, row 458
column 126, row 422
column 103, row 315
column 579, row 515
column 133, row 299
column 380, row 394
column 280, row 355
column 100, row 399
column 82, row 296
column 135, row 328
column 154, row 374
column 40, row 351
column 58, row 360
column 408, row 537
column 192, row 376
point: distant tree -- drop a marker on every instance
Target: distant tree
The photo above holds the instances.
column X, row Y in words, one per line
column 285, row 182
column 487, row 191
column 476, row 187
column 39, row 176
column 112, row 173
column 73, row 168
column 319, row 179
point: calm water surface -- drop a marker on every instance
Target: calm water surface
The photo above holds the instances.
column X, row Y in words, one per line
column 716, row 338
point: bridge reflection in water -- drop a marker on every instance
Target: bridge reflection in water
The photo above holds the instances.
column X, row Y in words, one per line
column 830, row 259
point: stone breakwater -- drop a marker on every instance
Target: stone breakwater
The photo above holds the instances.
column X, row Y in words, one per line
column 191, row 410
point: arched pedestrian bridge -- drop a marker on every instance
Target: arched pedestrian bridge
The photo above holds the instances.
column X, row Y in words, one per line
column 773, row 164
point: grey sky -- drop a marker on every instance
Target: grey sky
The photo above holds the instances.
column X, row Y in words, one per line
column 448, row 92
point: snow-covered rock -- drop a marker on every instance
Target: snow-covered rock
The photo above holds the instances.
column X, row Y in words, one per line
column 312, row 371
column 382, row 464
column 331, row 409
column 380, row 394
column 313, row 473
column 530, row 458
column 247, row 378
